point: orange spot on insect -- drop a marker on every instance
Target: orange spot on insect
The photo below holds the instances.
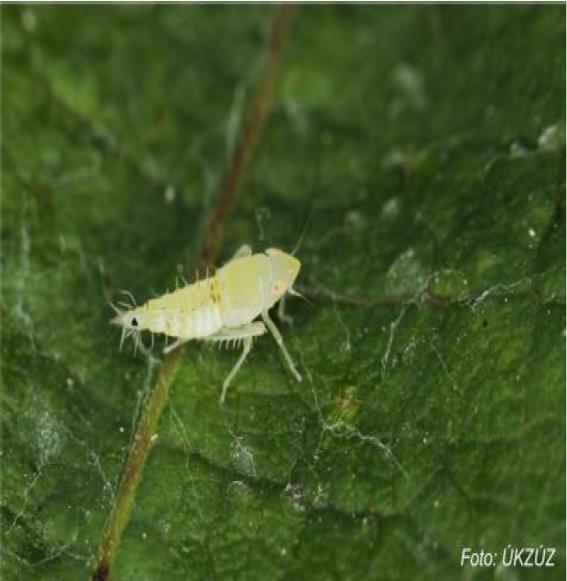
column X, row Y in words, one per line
column 279, row 286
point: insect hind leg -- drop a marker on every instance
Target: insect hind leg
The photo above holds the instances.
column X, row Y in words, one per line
column 234, row 371
column 245, row 333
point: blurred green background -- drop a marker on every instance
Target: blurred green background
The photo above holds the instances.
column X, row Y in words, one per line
column 428, row 144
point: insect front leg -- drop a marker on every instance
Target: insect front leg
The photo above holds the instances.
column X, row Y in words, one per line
column 173, row 346
column 279, row 340
column 281, row 312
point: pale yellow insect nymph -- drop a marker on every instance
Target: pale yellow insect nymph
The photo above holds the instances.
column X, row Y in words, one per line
column 222, row 307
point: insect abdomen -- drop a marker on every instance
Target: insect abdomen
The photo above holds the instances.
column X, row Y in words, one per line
column 191, row 312
column 203, row 322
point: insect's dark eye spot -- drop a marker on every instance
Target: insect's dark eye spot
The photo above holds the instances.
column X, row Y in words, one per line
column 134, row 322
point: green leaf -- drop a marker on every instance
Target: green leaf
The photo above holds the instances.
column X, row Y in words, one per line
column 426, row 144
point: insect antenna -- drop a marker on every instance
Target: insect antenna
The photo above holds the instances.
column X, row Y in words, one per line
column 295, row 293
column 114, row 308
column 302, row 235
column 130, row 296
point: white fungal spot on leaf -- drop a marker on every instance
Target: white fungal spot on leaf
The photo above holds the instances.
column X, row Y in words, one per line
column 354, row 221
column 410, row 83
column 551, row 138
column 518, row 150
column 28, row 20
column 242, row 458
column 407, row 274
column 169, row 195
column 48, row 437
column 390, row 209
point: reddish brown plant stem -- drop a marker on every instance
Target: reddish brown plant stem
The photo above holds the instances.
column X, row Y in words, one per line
column 147, row 426
column 257, row 115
